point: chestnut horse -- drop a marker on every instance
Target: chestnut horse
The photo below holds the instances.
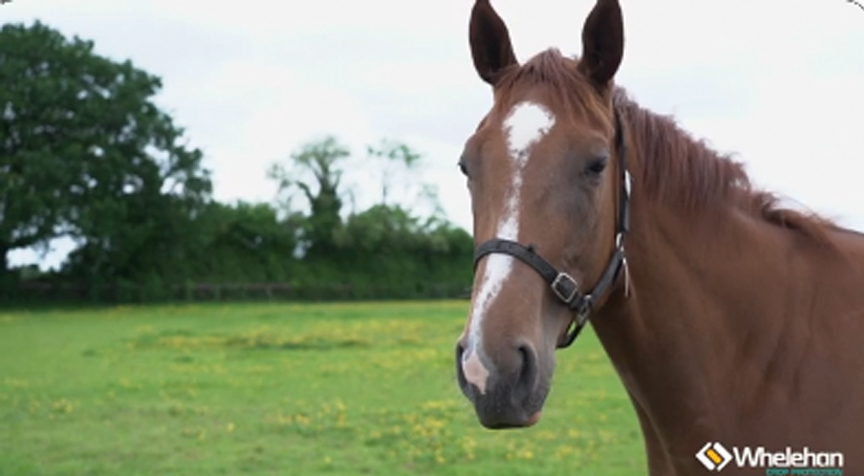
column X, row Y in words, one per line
column 729, row 319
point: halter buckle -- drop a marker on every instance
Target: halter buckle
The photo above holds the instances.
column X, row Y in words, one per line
column 565, row 287
column 628, row 183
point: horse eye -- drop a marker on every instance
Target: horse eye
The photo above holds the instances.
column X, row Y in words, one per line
column 596, row 166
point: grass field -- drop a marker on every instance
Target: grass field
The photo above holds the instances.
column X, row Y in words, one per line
column 284, row 389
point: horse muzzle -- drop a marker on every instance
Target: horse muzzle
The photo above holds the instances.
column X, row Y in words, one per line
column 507, row 394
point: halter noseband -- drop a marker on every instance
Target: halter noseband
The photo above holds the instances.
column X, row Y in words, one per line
column 564, row 286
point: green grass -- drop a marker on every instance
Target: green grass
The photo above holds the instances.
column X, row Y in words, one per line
column 284, row 389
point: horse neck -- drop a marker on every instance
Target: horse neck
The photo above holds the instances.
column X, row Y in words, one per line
column 734, row 322
column 697, row 290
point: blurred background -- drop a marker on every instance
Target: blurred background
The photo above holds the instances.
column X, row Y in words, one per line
column 253, row 99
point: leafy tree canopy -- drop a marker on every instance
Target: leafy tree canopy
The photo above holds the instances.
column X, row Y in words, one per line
column 84, row 150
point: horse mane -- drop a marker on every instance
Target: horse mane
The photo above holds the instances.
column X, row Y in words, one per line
column 672, row 167
column 565, row 84
column 679, row 170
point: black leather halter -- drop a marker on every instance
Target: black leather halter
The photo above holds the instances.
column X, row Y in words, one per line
column 564, row 286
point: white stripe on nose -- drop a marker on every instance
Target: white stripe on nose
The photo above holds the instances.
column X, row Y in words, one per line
column 525, row 126
column 474, row 370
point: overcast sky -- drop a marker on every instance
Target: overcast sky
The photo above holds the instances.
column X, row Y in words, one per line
column 778, row 83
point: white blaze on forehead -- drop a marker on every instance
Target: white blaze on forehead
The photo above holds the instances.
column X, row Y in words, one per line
column 525, row 126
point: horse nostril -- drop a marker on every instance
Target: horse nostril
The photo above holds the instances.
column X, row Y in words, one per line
column 460, row 372
column 460, row 351
column 527, row 374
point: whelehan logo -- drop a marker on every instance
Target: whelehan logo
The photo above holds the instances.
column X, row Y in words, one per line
column 714, row 456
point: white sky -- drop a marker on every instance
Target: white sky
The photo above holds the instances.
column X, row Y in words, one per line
column 778, row 82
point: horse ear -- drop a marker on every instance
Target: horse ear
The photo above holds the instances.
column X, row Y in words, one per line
column 602, row 43
column 491, row 49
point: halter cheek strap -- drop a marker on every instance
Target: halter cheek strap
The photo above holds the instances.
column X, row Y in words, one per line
column 564, row 286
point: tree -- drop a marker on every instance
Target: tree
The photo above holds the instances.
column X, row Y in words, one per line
column 321, row 160
column 244, row 242
column 84, row 150
column 390, row 248
column 392, row 157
